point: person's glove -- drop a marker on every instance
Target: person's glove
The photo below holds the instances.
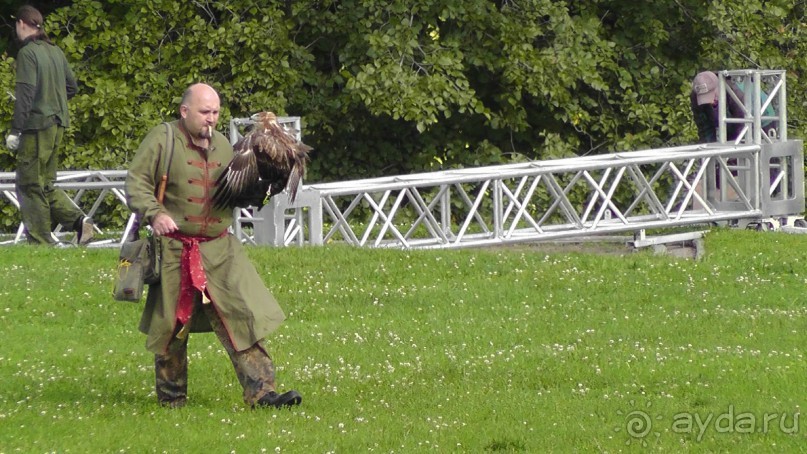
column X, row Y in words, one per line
column 13, row 141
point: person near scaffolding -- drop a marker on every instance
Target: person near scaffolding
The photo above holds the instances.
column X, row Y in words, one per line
column 44, row 82
column 705, row 112
column 704, row 104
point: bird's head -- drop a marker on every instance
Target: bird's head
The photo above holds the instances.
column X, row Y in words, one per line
column 265, row 118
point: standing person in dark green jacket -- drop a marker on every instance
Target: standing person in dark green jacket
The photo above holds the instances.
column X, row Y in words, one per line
column 44, row 83
column 207, row 281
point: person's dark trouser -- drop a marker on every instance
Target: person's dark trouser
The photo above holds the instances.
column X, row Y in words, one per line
column 253, row 366
column 42, row 206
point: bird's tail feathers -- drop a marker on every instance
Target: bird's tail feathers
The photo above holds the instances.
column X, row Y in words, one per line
column 294, row 182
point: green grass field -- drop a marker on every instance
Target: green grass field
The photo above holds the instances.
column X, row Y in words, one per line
column 506, row 350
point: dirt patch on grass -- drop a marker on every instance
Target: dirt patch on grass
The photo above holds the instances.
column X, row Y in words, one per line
column 619, row 246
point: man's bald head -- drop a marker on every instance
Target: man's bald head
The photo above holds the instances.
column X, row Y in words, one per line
column 196, row 91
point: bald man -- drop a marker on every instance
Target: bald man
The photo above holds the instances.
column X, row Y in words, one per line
column 207, row 281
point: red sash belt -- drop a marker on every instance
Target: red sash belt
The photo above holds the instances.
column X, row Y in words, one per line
column 192, row 272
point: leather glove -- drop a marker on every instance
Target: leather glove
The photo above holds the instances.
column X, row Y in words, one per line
column 13, row 141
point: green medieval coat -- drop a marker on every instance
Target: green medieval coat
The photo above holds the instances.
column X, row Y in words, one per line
column 247, row 308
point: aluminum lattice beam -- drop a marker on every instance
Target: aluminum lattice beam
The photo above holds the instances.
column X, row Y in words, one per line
column 539, row 200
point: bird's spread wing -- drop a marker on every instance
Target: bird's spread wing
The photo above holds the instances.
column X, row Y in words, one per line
column 268, row 156
column 240, row 176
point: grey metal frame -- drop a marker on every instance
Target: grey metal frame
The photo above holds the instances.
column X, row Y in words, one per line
column 774, row 83
column 96, row 184
column 535, row 201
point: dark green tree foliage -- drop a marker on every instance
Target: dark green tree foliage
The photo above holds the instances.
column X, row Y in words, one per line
column 397, row 86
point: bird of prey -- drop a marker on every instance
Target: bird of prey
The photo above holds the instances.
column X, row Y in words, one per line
column 269, row 158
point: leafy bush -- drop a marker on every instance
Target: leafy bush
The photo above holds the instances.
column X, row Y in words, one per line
column 393, row 87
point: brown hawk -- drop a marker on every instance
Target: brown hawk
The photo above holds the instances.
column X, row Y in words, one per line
column 266, row 160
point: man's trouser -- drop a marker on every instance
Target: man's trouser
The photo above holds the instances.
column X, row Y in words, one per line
column 253, row 366
column 42, row 206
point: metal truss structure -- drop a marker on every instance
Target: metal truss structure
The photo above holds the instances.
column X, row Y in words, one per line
column 759, row 175
column 623, row 192
column 88, row 190
column 761, row 90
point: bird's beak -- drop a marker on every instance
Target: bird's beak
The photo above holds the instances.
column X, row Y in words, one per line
column 254, row 117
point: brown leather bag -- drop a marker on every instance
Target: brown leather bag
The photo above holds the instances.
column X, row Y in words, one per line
column 139, row 261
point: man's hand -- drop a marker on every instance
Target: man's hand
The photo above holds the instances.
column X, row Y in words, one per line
column 13, row 141
column 163, row 224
